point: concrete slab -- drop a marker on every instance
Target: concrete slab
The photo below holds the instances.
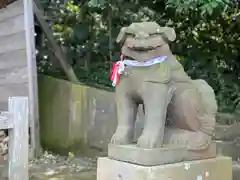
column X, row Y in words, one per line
column 219, row 168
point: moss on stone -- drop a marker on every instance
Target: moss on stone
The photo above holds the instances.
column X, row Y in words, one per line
column 74, row 115
column 61, row 104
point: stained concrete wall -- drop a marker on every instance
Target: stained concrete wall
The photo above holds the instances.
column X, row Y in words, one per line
column 73, row 116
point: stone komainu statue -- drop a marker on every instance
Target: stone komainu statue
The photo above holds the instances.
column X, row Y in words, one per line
column 164, row 89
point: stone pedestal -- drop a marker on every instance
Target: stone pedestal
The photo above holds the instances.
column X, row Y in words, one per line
column 158, row 156
column 147, row 157
column 219, row 168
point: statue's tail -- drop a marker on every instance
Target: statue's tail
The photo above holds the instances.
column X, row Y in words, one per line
column 207, row 116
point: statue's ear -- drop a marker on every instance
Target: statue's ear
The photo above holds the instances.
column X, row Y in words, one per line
column 122, row 35
column 169, row 33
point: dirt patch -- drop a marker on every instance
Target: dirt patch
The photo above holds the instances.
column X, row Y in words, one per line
column 55, row 167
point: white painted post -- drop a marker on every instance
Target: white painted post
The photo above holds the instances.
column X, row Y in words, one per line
column 18, row 139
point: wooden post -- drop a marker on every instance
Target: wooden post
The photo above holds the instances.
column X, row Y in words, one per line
column 32, row 78
column 18, row 139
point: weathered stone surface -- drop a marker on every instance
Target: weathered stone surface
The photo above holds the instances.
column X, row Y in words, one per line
column 61, row 127
column 101, row 117
column 207, row 153
column 158, row 156
column 236, row 171
column 148, row 43
column 226, row 118
column 190, row 105
column 94, row 126
column 98, row 123
column 219, row 168
column 190, row 139
column 227, row 132
column 143, row 55
column 73, row 115
column 146, row 157
column 228, row 148
column 144, row 30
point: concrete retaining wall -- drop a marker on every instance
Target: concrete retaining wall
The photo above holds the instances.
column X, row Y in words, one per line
column 75, row 115
column 72, row 115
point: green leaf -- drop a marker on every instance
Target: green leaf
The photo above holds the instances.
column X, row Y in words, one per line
column 81, row 32
column 214, row 4
column 209, row 9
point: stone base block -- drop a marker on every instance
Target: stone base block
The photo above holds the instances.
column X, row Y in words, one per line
column 146, row 157
column 158, row 156
column 219, row 168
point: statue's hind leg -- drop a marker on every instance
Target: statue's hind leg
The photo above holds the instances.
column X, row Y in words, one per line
column 192, row 123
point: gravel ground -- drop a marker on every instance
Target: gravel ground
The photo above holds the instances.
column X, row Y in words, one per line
column 55, row 167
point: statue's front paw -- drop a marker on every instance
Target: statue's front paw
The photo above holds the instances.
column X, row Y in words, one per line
column 122, row 137
column 148, row 141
